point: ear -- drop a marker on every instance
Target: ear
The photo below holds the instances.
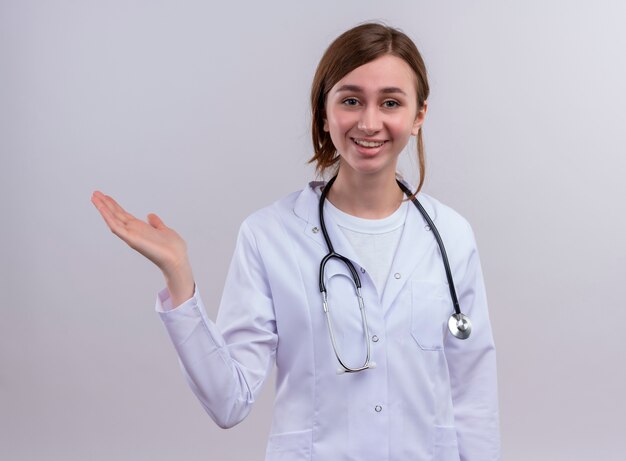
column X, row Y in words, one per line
column 419, row 119
column 326, row 125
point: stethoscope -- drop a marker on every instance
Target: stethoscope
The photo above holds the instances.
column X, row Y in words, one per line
column 458, row 324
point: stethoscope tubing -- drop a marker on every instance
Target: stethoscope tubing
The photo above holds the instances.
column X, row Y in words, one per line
column 459, row 325
column 331, row 251
column 442, row 248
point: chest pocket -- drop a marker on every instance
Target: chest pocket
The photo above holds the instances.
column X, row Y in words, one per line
column 430, row 309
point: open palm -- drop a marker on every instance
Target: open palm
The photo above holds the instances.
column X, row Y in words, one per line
column 153, row 239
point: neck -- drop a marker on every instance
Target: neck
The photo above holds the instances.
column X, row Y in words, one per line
column 370, row 197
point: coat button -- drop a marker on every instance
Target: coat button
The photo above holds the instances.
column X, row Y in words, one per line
column 427, row 227
column 397, row 275
column 375, row 338
column 378, row 408
column 315, row 230
column 362, row 270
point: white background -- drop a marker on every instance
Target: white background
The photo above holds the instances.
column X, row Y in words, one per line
column 200, row 113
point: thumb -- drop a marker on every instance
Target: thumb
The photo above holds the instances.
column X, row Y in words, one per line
column 155, row 221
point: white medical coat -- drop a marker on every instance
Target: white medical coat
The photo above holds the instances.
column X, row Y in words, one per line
column 430, row 397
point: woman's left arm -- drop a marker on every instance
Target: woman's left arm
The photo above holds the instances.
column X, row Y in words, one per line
column 472, row 364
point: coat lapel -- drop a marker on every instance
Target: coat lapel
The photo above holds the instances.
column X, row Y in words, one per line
column 416, row 240
column 306, row 207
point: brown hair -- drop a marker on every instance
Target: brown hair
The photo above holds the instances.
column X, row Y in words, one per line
column 352, row 49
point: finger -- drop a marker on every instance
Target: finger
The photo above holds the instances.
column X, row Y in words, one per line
column 98, row 201
column 116, row 209
column 117, row 227
column 156, row 222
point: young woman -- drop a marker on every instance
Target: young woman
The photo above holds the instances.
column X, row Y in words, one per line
column 343, row 285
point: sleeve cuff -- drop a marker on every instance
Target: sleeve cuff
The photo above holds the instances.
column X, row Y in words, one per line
column 164, row 301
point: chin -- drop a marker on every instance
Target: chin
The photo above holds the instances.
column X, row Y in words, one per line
column 369, row 168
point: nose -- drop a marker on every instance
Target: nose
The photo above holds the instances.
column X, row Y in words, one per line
column 370, row 121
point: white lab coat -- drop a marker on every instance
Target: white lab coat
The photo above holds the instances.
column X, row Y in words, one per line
column 430, row 397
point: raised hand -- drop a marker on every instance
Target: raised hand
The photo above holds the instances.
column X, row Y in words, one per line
column 153, row 239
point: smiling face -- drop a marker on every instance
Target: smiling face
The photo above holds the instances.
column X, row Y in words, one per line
column 371, row 114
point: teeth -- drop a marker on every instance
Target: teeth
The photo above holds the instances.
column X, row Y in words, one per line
column 368, row 143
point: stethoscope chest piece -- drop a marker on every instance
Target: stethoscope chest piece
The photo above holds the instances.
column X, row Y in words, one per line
column 460, row 326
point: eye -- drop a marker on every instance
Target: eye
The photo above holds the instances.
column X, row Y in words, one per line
column 350, row 102
column 390, row 104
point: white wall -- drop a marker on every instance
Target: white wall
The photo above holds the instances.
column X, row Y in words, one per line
column 200, row 114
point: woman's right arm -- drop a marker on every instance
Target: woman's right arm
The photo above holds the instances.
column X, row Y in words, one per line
column 226, row 366
column 153, row 239
column 226, row 362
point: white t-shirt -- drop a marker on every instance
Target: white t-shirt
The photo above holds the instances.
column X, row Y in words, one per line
column 374, row 240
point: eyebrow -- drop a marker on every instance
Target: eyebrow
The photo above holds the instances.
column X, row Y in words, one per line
column 358, row 89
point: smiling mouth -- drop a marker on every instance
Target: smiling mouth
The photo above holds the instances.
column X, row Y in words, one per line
column 364, row 143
